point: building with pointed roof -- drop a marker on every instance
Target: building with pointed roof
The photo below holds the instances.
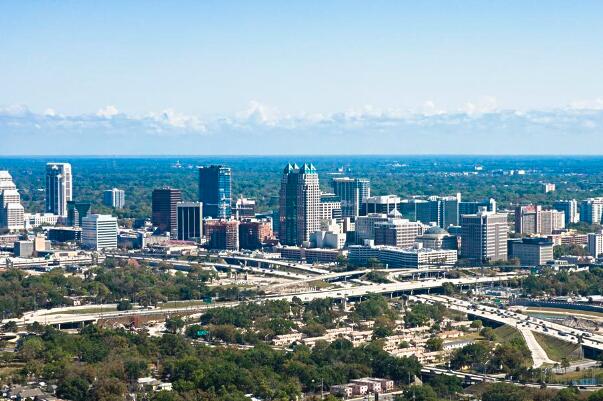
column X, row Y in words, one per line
column 11, row 210
column 299, row 204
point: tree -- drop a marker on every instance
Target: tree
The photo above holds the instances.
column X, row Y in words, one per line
column 505, row 392
column 449, row 288
column 10, row 326
column 476, row 324
column 488, row 333
column 108, row 389
column 135, row 368
column 434, row 344
column 418, row 393
column 73, row 388
column 567, row 394
column 565, row 364
column 446, row 386
column 174, row 324
column 383, row 327
column 477, row 353
column 124, row 304
column 596, row 396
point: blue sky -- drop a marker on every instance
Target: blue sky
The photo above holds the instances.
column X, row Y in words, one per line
column 211, row 73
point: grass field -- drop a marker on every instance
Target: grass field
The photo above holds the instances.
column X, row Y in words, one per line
column 557, row 349
column 561, row 312
column 505, row 333
column 85, row 310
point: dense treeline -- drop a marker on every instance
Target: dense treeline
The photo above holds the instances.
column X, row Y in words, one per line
column 259, row 178
column 104, row 364
column 562, row 283
column 20, row 292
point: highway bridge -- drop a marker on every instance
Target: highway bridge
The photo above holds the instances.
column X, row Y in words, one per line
column 75, row 315
column 591, row 343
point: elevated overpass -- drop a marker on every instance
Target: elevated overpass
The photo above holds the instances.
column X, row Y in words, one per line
column 591, row 343
column 75, row 315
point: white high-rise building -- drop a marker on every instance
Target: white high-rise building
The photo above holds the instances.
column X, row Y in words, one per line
column 595, row 244
column 11, row 210
column 59, row 188
column 591, row 210
column 99, row 231
column 484, row 236
column 299, row 204
column 114, row 198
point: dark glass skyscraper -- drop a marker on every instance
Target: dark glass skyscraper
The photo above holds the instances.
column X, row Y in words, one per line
column 76, row 211
column 164, row 203
column 215, row 187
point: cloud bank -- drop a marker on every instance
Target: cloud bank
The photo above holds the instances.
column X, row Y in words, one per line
column 477, row 128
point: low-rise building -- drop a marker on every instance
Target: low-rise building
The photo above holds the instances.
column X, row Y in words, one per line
column 531, row 251
column 414, row 257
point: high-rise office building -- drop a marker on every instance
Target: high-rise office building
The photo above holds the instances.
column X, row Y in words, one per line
column 442, row 211
column 215, row 187
column 11, row 210
column 570, row 208
column 59, row 188
column 591, row 210
column 472, row 207
column 330, row 207
column 595, row 244
column 380, row 204
column 99, row 232
column 164, row 213
column 484, row 236
column 531, row 219
column 299, row 204
column 397, row 232
column 365, row 226
column 244, row 208
column 76, row 211
column 189, row 225
column 114, row 198
column 531, row 251
column 352, row 192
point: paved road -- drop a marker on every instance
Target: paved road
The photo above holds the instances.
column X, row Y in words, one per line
column 50, row 317
column 556, row 330
column 539, row 356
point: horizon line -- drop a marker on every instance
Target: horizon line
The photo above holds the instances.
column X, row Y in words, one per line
column 305, row 155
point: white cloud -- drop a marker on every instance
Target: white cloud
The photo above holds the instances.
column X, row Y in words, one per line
column 259, row 113
column 592, row 104
column 486, row 104
column 366, row 129
column 107, row 111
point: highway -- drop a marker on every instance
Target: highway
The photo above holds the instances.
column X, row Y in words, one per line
column 70, row 314
column 520, row 321
column 478, row 378
column 278, row 262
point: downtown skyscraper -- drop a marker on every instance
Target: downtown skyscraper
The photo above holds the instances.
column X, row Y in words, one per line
column 59, row 188
column 484, row 236
column 215, row 191
column 299, row 204
column 352, row 192
column 11, row 210
column 164, row 209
